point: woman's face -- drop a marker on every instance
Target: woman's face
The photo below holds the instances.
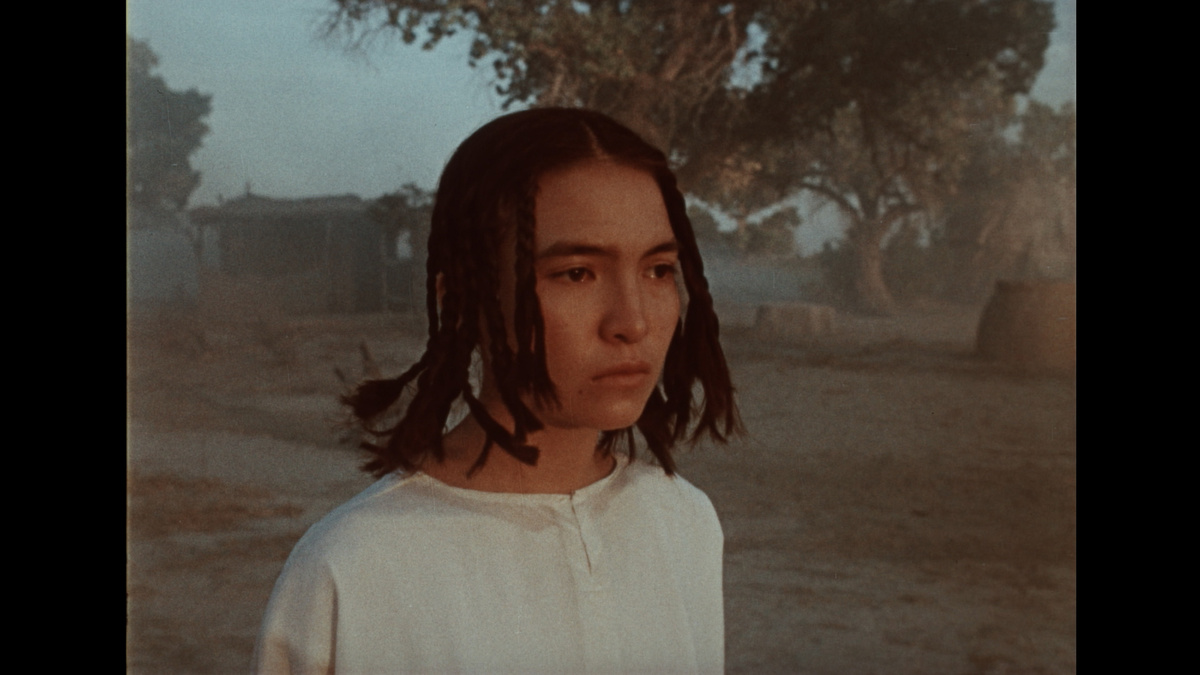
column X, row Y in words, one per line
column 605, row 260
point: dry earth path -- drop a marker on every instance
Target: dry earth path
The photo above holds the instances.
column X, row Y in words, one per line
column 898, row 506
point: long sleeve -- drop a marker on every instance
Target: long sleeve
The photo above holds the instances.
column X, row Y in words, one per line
column 299, row 632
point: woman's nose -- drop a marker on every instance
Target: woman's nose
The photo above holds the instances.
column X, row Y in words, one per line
column 625, row 315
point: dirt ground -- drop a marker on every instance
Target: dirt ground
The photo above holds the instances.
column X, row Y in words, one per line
column 898, row 506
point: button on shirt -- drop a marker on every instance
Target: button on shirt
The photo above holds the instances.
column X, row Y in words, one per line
column 416, row 576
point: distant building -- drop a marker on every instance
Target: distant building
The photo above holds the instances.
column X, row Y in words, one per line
column 313, row 255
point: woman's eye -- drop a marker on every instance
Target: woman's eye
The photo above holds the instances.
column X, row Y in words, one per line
column 662, row 271
column 576, row 274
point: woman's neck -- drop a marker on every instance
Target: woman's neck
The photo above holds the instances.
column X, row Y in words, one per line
column 567, row 460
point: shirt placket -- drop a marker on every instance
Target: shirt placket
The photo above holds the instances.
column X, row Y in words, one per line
column 588, row 565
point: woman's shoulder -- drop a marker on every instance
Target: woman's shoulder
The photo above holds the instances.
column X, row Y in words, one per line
column 673, row 491
column 651, row 476
column 393, row 509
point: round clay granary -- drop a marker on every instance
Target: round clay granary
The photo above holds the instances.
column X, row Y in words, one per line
column 1030, row 323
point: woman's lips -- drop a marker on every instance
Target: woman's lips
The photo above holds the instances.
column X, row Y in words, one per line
column 631, row 374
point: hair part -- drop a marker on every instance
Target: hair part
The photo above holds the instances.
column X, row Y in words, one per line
column 486, row 197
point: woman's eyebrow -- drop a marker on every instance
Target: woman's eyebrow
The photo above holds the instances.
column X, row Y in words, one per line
column 665, row 247
column 564, row 249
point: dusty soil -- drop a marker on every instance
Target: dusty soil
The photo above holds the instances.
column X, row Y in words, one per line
column 898, row 506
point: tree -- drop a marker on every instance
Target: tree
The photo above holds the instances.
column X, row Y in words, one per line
column 879, row 98
column 774, row 234
column 879, row 180
column 688, row 76
column 1014, row 212
column 163, row 128
column 744, row 185
column 663, row 67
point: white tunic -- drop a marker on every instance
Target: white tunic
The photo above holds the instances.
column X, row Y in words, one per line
column 415, row 576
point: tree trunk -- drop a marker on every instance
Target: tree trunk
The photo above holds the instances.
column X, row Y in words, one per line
column 871, row 292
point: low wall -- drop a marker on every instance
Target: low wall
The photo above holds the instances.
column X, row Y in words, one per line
column 794, row 320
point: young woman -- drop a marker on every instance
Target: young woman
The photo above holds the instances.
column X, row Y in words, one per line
column 528, row 538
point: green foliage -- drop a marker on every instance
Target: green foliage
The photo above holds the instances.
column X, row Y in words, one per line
column 661, row 66
column 1011, row 216
column 163, row 128
column 743, row 183
column 1014, row 212
column 1048, row 140
column 880, row 98
column 865, row 102
column 873, row 54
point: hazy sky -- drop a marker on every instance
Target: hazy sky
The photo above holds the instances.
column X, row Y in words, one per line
column 299, row 117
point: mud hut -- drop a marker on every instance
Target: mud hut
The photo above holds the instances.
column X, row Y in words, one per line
column 312, row 255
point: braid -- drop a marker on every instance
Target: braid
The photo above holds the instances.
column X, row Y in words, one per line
column 530, row 329
column 487, row 199
column 373, row 397
column 502, row 359
column 498, row 435
column 677, row 379
column 440, row 375
column 435, row 246
column 701, row 344
column 694, row 353
column 658, row 438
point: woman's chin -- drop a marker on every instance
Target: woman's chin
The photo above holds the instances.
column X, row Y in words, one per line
column 611, row 419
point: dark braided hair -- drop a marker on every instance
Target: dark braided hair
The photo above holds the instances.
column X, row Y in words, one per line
column 486, row 196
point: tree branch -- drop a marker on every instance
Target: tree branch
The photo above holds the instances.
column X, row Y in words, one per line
column 833, row 195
